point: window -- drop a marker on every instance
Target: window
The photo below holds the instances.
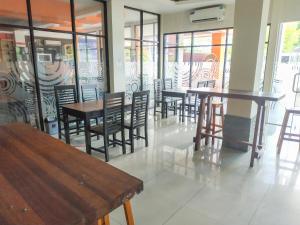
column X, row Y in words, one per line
column 141, row 50
column 191, row 57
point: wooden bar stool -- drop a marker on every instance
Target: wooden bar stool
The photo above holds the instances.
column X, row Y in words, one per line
column 283, row 134
column 214, row 124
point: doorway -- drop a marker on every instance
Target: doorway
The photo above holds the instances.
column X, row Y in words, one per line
column 287, row 66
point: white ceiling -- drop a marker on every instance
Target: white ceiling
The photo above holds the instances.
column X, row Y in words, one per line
column 168, row 6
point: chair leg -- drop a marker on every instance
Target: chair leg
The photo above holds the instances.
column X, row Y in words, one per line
column 77, row 127
column 59, row 129
column 123, row 141
column 213, row 124
column 282, row 132
column 128, row 213
column 146, row 135
column 106, row 142
column 154, row 108
column 97, row 123
column 222, row 116
column 131, row 140
column 104, row 221
column 114, row 140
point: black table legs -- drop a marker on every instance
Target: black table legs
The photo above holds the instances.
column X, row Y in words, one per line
column 66, row 127
column 87, row 134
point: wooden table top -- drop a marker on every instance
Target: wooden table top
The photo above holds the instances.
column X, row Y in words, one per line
column 219, row 92
column 46, row 182
column 89, row 106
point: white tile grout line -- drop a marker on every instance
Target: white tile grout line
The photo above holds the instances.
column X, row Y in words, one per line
column 259, row 204
column 183, row 205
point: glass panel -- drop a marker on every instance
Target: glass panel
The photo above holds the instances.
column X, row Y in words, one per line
column 55, row 14
column 13, row 12
column 268, row 33
column 55, row 64
column 230, row 36
column 177, row 66
column 227, row 67
column 215, row 37
column 287, row 66
column 132, row 67
column 150, row 27
column 170, row 40
column 89, row 16
column 184, row 39
column 132, row 24
column 207, row 64
column 18, row 100
column 150, row 66
column 91, row 62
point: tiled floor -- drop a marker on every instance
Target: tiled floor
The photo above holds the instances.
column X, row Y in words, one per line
column 210, row 187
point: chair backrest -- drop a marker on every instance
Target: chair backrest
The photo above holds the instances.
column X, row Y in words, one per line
column 201, row 84
column 168, row 83
column 157, row 89
column 89, row 92
column 139, row 108
column 64, row 94
column 113, row 118
column 211, row 83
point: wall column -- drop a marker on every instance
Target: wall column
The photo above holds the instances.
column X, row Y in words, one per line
column 250, row 25
column 115, row 20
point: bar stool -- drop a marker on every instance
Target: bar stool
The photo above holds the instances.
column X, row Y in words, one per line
column 214, row 125
column 283, row 133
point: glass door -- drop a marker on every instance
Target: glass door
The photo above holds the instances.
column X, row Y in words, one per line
column 287, row 66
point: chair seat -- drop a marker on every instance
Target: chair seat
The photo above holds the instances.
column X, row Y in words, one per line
column 99, row 129
column 127, row 124
column 217, row 103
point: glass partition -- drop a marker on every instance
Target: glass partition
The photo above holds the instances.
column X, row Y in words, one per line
column 18, row 99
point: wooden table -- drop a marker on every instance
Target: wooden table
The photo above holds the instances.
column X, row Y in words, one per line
column 174, row 93
column 84, row 111
column 46, row 182
column 205, row 94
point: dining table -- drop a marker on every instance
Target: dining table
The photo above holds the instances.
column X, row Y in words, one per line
column 174, row 93
column 260, row 98
column 44, row 181
column 85, row 111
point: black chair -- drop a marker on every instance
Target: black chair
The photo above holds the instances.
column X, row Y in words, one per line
column 113, row 123
column 66, row 94
column 171, row 104
column 89, row 92
column 193, row 102
column 138, row 117
column 168, row 83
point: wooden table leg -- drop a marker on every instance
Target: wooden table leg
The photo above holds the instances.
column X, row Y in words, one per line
column 262, row 124
column 66, row 127
column 128, row 213
column 208, row 120
column 87, row 135
column 104, row 221
column 256, row 130
column 200, row 122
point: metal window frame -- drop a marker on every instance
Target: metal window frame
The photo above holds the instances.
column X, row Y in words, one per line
column 226, row 45
column 142, row 41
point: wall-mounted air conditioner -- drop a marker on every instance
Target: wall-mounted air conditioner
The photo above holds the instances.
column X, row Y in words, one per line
column 208, row 13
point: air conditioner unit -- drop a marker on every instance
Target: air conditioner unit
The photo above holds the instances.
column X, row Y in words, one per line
column 208, row 13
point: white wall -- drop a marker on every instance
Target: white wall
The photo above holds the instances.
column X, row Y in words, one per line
column 179, row 22
column 116, row 45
